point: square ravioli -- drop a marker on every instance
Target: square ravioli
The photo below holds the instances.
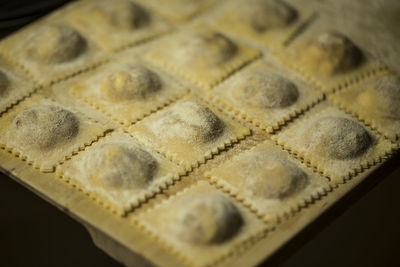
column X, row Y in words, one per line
column 201, row 55
column 178, row 10
column 119, row 172
column 270, row 23
column 334, row 143
column 51, row 50
column 115, row 24
column 328, row 59
column 128, row 90
column 13, row 85
column 376, row 102
column 189, row 131
column 44, row 133
column 268, row 180
column 266, row 95
column 202, row 225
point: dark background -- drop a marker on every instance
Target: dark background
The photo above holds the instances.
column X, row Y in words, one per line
column 34, row 233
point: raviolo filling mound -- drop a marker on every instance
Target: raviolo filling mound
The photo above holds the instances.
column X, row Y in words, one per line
column 265, row 90
column 262, row 15
column 337, row 138
column 206, row 219
column 383, row 98
column 331, row 53
column 121, row 14
column 270, row 176
column 132, row 82
column 4, row 83
column 54, row 44
column 119, row 165
column 205, row 48
column 192, row 121
column 45, row 127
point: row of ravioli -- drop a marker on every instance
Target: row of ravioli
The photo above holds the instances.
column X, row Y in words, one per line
column 125, row 168
column 205, row 56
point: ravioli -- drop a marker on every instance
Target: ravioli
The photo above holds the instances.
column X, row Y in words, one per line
column 265, row 90
column 188, row 132
column 207, row 219
column 383, row 97
column 336, row 138
column 132, row 82
column 328, row 59
column 45, row 127
column 331, row 53
column 120, row 173
column 269, row 181
column 202, row 222
column 128, row 90
column 44, row 133
column 271, row 23
column 51, row 50
column 271, row 176
column 122, row 14
column 333, row 143
column 265, row 94
column 117, row 26
column 261, row 15
column 190, row 120
column 54, row 44
column 201, row 55
column 376, row 102
column 120, row 165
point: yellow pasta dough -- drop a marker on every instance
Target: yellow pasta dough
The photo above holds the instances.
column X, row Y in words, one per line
column 128, row 91
column 203, row 220
column 45, row 133
column 262, row 95
column 207, row 219
column 269, row 181
column 54, row 44
column 334, row 143
column 268, row 22
column 45, row 127
column 328, row 59
column 115, row 26
column 330, row 53
column 120, row 172
column 201, row 55
column 136, row 82
column 188, row 132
